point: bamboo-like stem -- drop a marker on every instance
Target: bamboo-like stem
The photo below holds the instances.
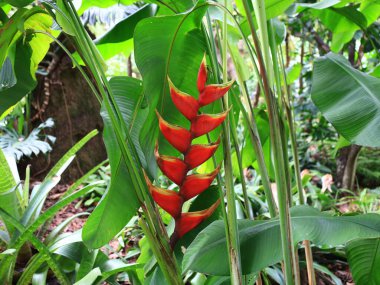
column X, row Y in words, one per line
column 293, row 142
column 250, row 120
column 277, row 143
column 234, row 245
column 283, row 105
column 247, row 203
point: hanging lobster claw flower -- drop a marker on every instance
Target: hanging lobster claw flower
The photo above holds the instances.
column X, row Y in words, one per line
column 205, row 123
column 213, row 92
column 178, row 137
column 174, row 168
column 168, row 200
column 185, row 103
column 197, row 183
column 198, row 153
column 189, row 221
column 202, row 75
column 194, row 155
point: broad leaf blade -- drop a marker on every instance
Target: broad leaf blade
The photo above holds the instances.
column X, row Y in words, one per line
column 364, row 259
column 260, row 242
column 120, row 202
column 348, row 98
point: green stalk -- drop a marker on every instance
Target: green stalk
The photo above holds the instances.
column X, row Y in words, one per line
column 247, row 205
column 234, row 245
column 250, row 120
column 277, row 142
column 230, row 216
column 281, row 104
column 293, row 141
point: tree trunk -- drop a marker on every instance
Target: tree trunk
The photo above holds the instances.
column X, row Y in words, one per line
column 346, row 166
column 64, row 95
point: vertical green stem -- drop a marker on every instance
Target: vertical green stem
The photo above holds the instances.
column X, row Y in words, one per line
column 293, row 141
column 234, row 245
column 277, row 142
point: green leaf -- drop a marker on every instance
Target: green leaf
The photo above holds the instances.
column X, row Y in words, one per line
column 156, row 58
column 293, row 72
column 342, row 22
column 8, row 189
column 90, row 277
column 120, row 203
column 102, row 4
column 119, row 38
column 371, row 10
column 25, row 80
column 24, row 53
column 260, row 242
column 50, row 259
column 319, row 5
column 18, row 3
column 273, row 8
column 364, row 259
column 348, row 98
column 342, row 142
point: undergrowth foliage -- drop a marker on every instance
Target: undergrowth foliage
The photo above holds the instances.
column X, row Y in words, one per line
column 176, row 169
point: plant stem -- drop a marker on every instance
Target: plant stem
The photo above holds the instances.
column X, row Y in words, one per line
column 293, row 141
column 250, row 120
column 234, row 245
column 277, row 142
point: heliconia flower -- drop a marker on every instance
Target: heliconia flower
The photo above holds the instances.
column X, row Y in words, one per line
column 185, row 103
column 202, row 75
column 189, row 221
column 178, row 137
column 199, row 153
column 213, row 92
column 195, row 184
column 168, row 200
column 205, row 123
column 176, row 169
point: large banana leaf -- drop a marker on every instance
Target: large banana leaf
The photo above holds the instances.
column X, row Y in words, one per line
column 348, row 98
column 120, row 203
column 260, row 241
column 364, row 259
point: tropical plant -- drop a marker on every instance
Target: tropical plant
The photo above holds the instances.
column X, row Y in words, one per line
column 16, row 145
column 26, row 222
column 264, row 243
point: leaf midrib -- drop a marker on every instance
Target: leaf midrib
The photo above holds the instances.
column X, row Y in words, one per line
column 343, row 67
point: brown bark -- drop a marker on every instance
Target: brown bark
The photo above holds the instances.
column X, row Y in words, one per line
column 346, row 166
column 75, row 111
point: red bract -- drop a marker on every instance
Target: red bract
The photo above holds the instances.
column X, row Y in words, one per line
column 194, row 155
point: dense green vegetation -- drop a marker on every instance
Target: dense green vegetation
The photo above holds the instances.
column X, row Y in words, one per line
column 241, row 142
